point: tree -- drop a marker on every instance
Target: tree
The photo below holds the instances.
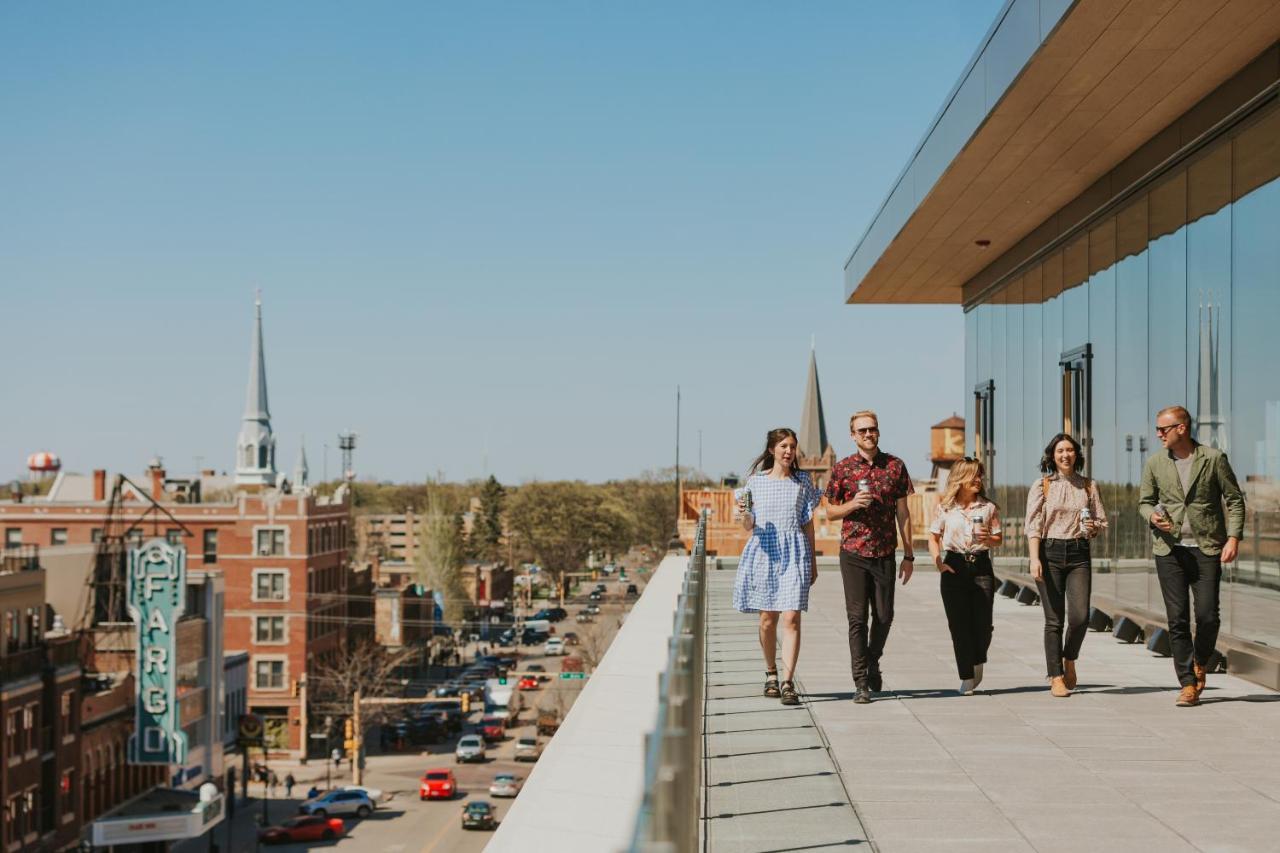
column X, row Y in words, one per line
column 440, row 556
column 563, row 522
column 368, row 667
column 486, row 533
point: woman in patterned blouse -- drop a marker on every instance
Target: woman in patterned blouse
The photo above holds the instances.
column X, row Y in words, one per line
column 777, row 566
column 1064, row 511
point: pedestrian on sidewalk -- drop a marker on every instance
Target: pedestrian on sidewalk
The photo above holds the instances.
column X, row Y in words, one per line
column 869, row 490
column 965, row 527
column 289, row 782
column 1064, row 512
column 1196, row 510
column 778, row 564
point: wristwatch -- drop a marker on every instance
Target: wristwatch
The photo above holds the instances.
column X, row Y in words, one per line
column 911, row 557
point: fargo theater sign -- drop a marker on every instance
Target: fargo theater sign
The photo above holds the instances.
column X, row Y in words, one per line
column 157, row 598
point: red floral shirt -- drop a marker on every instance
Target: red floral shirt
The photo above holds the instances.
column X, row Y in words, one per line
column 870, row 531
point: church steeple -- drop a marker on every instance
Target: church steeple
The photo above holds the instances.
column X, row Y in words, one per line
column 256, row 446
column 813, row 424
column 301, row 474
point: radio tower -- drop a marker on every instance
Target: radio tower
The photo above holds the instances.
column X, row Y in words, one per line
column 347, row 444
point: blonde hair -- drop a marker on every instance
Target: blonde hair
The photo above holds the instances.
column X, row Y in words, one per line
column 1183, row 415
column 962, row 472
column 865, row 413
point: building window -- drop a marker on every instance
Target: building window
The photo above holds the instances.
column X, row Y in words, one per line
column 211, row 546
column 31, row 725
column 270, row 585
column 12, row 536
column 135, row 537
column 268, row 629
column 95, row 535
column 268, row 674
column 173, row 536
column 66, row 792
column 271, row 542
column 58, row 536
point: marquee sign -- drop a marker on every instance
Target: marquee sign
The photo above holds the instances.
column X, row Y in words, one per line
column 157, row 597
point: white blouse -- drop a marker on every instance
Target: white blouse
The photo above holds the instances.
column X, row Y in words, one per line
column 954, row 525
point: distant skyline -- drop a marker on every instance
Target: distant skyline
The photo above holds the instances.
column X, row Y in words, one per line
column 490, row 238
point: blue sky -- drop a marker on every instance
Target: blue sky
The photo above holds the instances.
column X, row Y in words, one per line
column 491, row 237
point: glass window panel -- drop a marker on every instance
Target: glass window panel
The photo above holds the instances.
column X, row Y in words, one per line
column 1167, row 327
column 1075, row 296
column 1133, row 420
column 1102, row 337
column 970, row 367
column 1256, row 155
column 1033, row 428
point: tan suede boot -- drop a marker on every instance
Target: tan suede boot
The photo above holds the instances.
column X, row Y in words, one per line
column 1058, row 687
column 1202, row 677
column 1069, row 673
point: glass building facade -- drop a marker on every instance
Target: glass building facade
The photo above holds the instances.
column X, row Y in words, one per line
column 1170, row 296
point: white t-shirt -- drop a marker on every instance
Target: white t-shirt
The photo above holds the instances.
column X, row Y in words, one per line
column 954, row 525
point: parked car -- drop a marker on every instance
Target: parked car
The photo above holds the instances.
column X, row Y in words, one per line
column 470, row 748
column 528, row 682
column 438, row 784
column 339, row 802
column 493, row 728
column 477, row 815
column 302, row 829
column 571, row 638
column 504, row 785
column 632, row 590
column 554, row 646
column 527, row 748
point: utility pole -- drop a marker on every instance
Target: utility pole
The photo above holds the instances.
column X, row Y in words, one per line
column 357, row 734
column 302, row 722
column 675, row 544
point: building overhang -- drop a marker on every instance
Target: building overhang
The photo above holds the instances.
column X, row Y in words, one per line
column 1021, row 143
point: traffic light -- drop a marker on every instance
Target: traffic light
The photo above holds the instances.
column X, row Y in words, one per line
column 502, row 675
column 466, row 703
column 350, row 730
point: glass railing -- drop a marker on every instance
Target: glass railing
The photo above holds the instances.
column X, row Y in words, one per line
column 669, row 813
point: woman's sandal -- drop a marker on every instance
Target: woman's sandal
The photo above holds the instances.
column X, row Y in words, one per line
column 771, row 684
column 789, row 694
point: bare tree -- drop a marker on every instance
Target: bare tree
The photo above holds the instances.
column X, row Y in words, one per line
column 593, row 642
column 367, row 667
column 440, row 556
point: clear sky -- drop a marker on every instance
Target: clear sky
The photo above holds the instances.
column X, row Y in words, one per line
column 491, row 237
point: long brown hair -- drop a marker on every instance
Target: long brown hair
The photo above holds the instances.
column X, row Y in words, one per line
column 962, row 472
column 764, row 462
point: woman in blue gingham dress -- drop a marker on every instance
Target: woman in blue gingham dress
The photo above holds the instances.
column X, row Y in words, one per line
column 777, row 565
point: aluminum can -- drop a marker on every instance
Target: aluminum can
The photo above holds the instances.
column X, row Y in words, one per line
column 1160, row 510
column 1085, row 514
column 864, row 485
column 975, row 521
column 746, row 500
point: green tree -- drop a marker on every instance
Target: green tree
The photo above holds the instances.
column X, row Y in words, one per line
column 487, row 530
column 563, row 522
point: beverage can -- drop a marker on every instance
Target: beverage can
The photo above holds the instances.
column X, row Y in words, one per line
column 1161, row 511
column 746, row 500
column 975, row 522
column 864, row 485
column 1085, row 514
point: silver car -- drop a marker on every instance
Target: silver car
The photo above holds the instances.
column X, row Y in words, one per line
column 470, row 748
column 527, row 749
column 505, row 785
column 339, row 803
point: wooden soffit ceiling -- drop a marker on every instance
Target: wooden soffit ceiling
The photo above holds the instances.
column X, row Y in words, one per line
column 1111, row 76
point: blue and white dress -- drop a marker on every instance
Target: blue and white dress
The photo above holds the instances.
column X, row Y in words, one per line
column 773, row 572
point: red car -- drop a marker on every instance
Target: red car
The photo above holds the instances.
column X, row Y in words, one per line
column 528, row 682
column 493, row 729
column 438, row 784
column 304, row 828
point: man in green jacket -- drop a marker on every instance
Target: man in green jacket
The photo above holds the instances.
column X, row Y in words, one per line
column 1196, row 510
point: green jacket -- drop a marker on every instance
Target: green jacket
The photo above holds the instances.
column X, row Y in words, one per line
column 1214, row 504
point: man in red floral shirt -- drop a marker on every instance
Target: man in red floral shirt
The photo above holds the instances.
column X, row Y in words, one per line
column 868, row 541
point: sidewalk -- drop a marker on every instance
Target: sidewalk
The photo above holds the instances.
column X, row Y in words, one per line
column 1114, row 767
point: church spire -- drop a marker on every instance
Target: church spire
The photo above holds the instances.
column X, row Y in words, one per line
column 301, row 474
column 813, row 424
column 256, row 446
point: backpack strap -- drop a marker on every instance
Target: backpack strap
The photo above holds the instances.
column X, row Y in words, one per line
column 1044, row 487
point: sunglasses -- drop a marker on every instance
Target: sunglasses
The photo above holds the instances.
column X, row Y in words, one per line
column 1161, row 430
column 868, row 431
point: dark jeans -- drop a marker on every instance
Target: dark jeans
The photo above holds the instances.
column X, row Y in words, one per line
column 868, row 581
column 1184, row 571
column 1064, row 593
column 968, row 596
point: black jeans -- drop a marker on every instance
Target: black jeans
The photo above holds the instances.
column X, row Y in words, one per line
column 968, row 596
column 1064, row 593
column 868, row 581
column 1186, row 571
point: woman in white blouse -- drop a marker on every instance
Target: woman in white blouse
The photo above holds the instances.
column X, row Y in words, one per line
column 1064, row 511
column 966, row 525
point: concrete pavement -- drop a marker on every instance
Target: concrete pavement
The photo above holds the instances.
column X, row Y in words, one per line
column 1116, row 766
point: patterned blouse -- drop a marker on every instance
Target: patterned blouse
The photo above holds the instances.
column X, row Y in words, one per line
column 954, row 524
column 870, row 531
column 1058, row 516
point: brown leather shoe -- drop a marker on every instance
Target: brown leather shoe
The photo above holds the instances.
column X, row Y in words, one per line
column 1188, row 697
column 1069, row 673
column 1058, row 687
column 1202, row 677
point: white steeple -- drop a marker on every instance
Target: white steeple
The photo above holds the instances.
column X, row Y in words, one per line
column 256, row 447
column 300, row 472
